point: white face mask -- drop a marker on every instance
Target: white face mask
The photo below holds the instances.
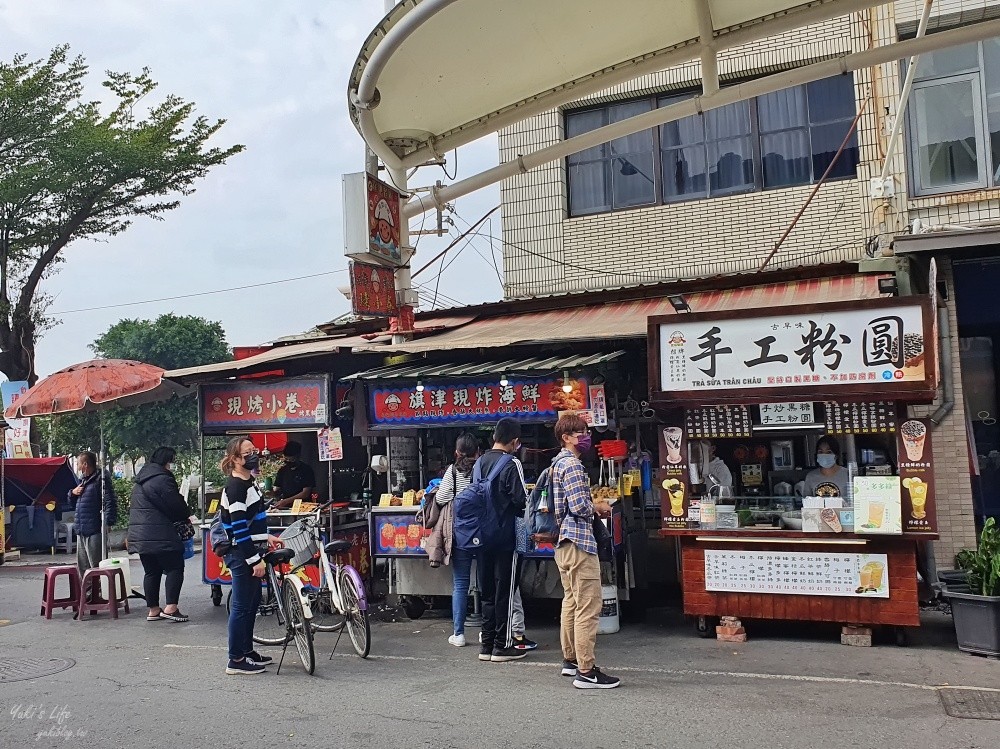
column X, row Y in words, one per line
column 169, row 467
column 826, row 460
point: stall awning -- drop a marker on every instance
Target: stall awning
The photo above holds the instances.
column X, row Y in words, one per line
column 536, row 365
column 624, row 320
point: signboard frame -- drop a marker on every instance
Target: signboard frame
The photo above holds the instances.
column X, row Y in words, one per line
column 207, row 392
column 911, row 391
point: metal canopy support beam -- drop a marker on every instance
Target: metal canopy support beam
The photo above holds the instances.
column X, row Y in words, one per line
column 729, row 95
column 622, row 73
column 709, row 60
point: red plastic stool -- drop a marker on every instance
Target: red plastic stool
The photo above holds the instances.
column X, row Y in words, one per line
column 49, row 600
column 91, row 585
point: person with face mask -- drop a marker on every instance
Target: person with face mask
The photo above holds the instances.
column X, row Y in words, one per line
column 830, row 479
column 155, row 507
column 86, row 498
column 295, row 479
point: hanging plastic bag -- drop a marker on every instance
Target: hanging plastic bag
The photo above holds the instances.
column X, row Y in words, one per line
column 189, row 548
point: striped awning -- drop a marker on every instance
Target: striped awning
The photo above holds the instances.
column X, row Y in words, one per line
column 628, row 320
column 535, row 365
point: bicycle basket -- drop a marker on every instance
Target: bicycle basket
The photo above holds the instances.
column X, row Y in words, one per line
column 301, row 538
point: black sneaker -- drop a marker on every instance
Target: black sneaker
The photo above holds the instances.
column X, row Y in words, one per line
column 569, row 668
column 485, row 652
column 523, row 643
column 245, row 666
column 507, row 654
column 258, row 658
column 595, row 679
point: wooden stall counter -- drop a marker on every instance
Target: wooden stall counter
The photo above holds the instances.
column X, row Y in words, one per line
column 756, row 573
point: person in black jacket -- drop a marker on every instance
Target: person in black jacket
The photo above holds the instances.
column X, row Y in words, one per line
column 86, row 500
column 497, row 567
column 156, row 505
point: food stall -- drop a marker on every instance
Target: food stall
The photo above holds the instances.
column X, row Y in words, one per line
column 299, row 407
column 760, row 391
column 422, row 413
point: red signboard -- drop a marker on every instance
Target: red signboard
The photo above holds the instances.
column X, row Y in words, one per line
column 254, row 406
column 373, row 290
column 484, row 402
column 383, row 219
column 245, row 352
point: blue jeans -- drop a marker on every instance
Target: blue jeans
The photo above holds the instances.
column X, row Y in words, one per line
column 461, row 572
column 243, row 606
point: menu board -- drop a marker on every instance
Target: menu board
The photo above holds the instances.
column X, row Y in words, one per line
column 717, row 421
column 673, row 475
column 860, row 418
column 786, row 413
column 916, row 473
column 877, row 505
column 797, row 573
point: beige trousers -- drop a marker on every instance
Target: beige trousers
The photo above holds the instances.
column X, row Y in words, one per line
column 580, row 573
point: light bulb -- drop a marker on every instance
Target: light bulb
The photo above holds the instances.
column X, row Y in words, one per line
column 420, row 386
column 504, row 382
column 567, row 388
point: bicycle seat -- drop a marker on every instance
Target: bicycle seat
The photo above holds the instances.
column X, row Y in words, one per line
column 337, row 547
column 279, row 556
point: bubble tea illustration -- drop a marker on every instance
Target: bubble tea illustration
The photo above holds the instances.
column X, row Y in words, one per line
column 914, row 435
column 672, row 436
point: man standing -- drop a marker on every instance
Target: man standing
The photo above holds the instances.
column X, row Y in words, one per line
column 497, row 566
column 295, row 479
column 87, row 496
column 576, row 556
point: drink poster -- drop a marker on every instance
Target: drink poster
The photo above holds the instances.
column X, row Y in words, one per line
column 797, row 573
column 877, row 508
column 916, row 471
column 673, row 475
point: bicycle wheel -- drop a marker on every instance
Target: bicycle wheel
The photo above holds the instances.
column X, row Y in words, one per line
column 300, row 627
column 355, row 610
column 325, row 617
column 269, row 625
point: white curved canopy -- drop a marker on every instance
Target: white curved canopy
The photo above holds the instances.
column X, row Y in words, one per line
column 437, row 74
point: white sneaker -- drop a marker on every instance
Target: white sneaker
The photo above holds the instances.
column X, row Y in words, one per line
column 457, row 640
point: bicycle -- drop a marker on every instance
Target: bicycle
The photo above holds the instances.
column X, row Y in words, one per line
column 340, row 601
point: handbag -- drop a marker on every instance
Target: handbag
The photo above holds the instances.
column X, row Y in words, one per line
column 605, row 545
column 184, row 529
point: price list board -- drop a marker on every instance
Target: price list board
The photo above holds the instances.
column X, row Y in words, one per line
column 877, row 417
column 797, row 573
column 715, row 422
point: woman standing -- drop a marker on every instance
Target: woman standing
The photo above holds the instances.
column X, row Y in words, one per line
column 831, row 479
column 155, row 507
column 457, row 477
column 245, row 521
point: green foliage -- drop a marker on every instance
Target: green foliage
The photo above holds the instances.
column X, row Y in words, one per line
column 984, row 569
column 72, row 169
column 965, row 559
column 123, row 493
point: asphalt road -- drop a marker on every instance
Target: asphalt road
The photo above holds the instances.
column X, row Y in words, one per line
column 163, row 684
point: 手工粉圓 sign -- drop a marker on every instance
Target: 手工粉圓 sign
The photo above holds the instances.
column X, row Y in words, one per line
column 878, row 345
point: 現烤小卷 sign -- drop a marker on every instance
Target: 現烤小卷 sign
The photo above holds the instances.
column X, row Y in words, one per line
column 251, row 405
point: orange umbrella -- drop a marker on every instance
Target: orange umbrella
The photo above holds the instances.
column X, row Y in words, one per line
column 95, row 385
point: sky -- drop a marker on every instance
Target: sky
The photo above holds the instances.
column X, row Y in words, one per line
column 277, row 72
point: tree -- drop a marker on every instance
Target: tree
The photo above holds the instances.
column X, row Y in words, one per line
column 70, row 171
column 170, row 341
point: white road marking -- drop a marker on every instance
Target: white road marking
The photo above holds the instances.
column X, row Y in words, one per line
column 671, row 672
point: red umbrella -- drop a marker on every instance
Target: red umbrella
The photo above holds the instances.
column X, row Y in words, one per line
column 95, row 385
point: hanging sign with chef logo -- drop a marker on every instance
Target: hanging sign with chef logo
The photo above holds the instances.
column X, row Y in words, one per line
column 248, row 405
column 484, row 402
column 882, row 345
column 373, row 291
column 383, row 219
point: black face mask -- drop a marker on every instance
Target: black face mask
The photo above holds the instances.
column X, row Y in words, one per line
column 252, row 462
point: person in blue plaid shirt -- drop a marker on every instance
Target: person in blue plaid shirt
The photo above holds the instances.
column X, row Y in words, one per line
column 576, row 556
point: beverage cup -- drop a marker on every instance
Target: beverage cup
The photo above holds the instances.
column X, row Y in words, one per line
column 914, row 435
column 672, row 436
column 918, row 498
column 876, row 514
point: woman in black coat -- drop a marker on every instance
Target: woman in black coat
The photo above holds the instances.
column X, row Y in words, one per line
column 156, row 505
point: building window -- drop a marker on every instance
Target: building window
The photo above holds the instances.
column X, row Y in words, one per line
column 953, row 120
column 779, row 140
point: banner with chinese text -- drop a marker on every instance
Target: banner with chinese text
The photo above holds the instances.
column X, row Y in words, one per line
column 877, row 345
column 266, row 405
column 916, row 472
column 440, row 404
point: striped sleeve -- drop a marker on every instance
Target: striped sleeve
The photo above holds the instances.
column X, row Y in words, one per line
column 234, row 501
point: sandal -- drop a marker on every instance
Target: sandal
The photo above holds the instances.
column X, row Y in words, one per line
column 177, row 616
column 156, row 618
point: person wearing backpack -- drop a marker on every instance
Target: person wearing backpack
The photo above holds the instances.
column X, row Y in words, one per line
column 484, row 524
column 576, row 556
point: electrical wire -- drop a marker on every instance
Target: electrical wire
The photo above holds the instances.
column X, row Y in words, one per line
column 201, row 293
column 451, row 177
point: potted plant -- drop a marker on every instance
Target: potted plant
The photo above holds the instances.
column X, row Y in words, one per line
column 977, row 611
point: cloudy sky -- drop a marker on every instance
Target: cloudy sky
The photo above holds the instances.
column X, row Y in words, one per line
column 277, row 71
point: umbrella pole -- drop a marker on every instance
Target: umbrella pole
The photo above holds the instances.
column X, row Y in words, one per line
column 104, row 524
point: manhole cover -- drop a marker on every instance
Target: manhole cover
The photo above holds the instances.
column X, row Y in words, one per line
column 971, row 703
column 22, row 669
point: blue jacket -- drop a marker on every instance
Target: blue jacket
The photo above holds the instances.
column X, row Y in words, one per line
column 88, row 504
